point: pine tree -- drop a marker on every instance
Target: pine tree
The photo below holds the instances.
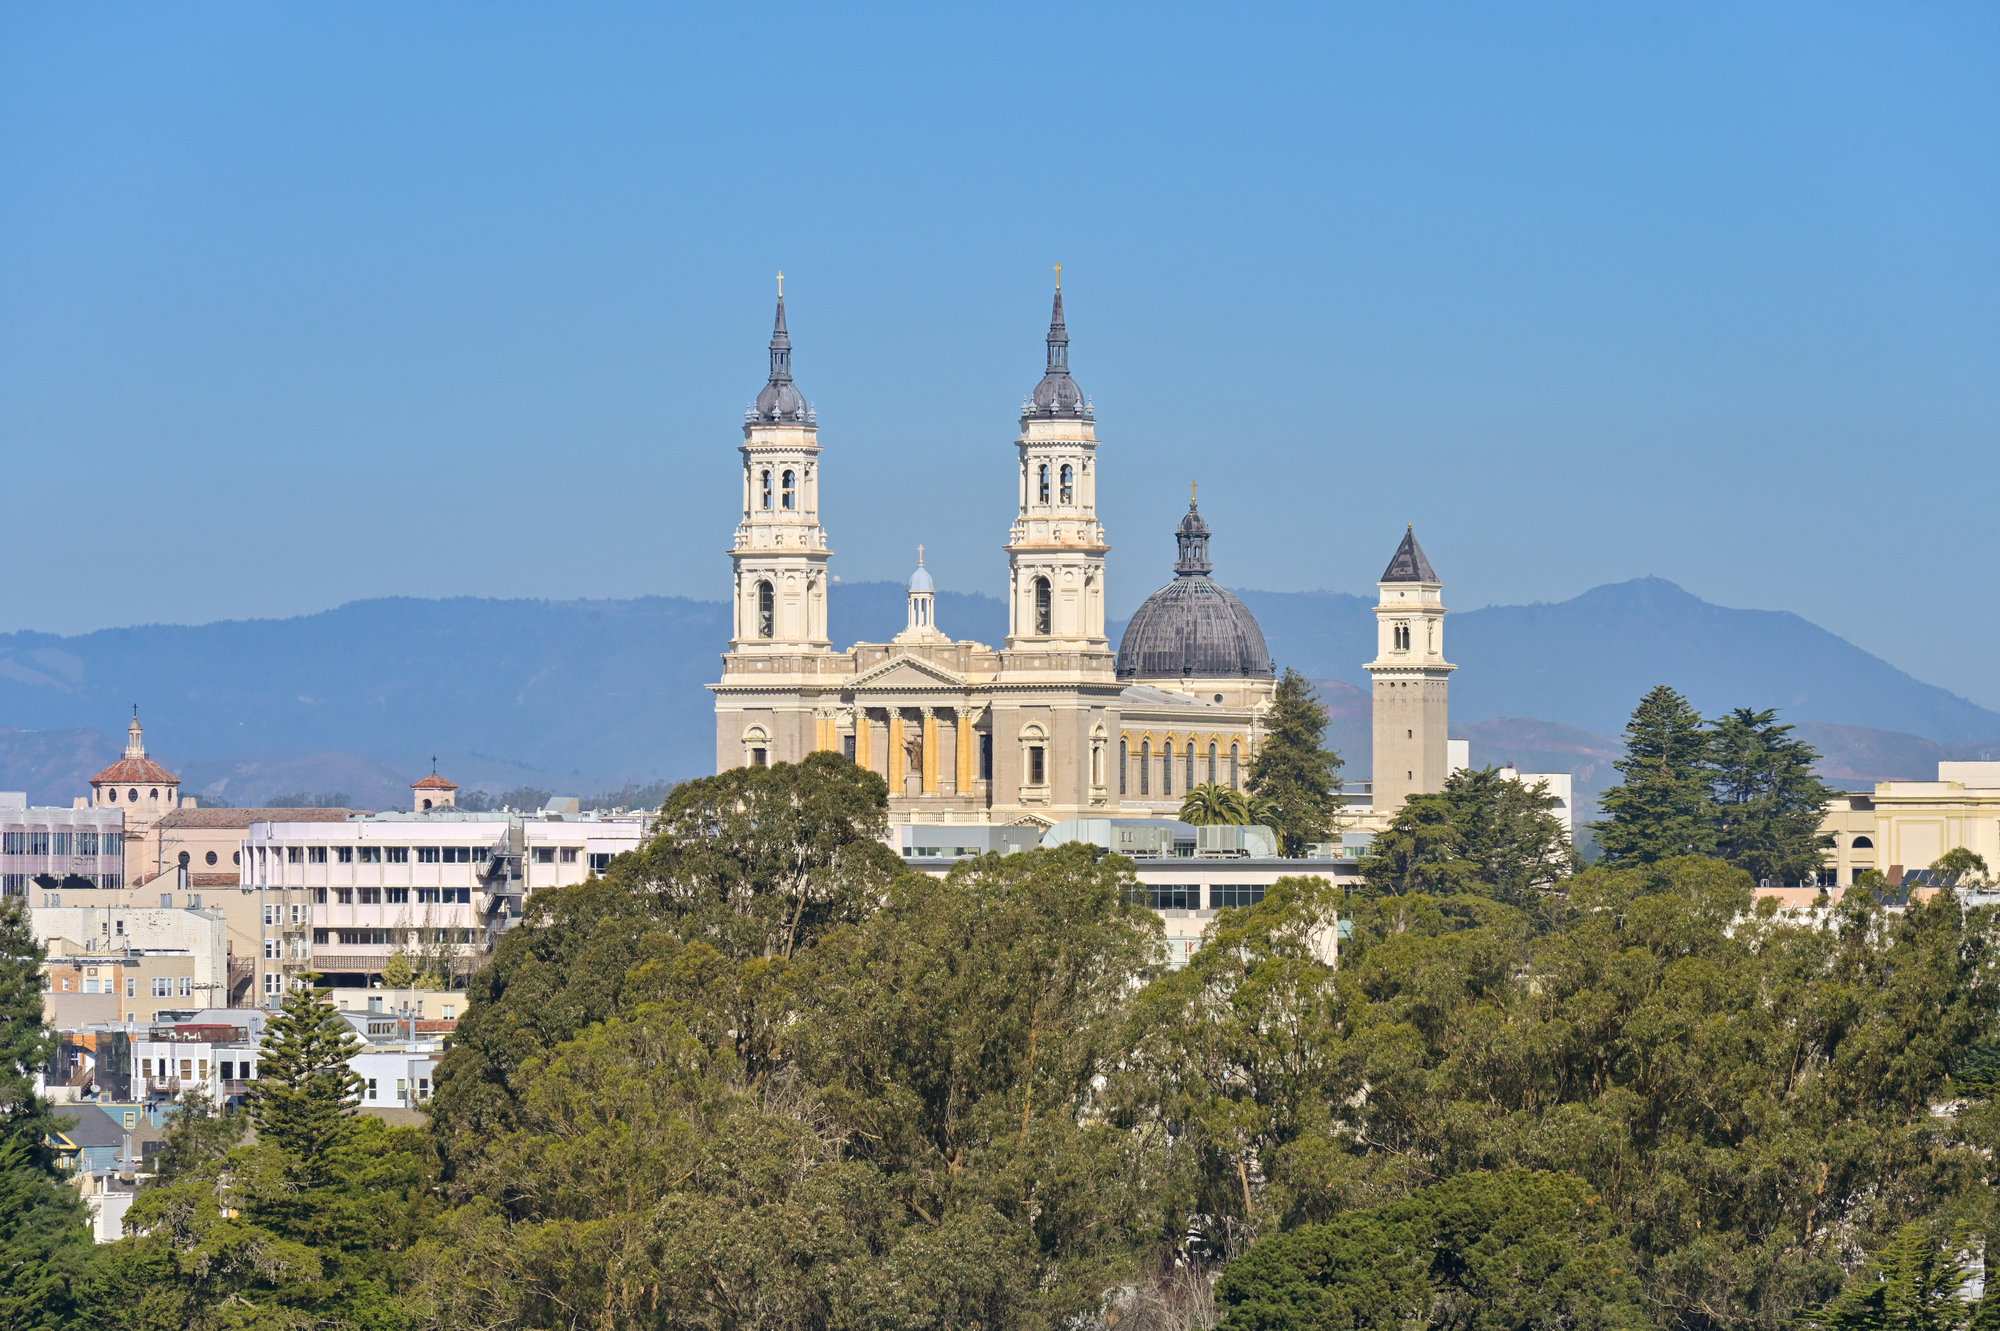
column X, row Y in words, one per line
column 305, row 1095
column 1768, row 803
column 1295, row 776
column 1663, row 808
column 45, row 1247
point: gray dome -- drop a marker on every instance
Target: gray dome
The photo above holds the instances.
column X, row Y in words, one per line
column 1194, row 627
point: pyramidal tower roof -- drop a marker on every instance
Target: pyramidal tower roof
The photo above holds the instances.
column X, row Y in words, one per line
column 1409, row 564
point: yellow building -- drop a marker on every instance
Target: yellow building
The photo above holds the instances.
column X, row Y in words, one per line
column 1906, row 825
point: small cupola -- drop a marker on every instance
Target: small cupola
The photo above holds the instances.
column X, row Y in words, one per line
column 433, row 792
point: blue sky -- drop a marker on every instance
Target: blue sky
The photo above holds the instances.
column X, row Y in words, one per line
column 307, row 304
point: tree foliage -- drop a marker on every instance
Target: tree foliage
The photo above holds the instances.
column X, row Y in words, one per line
column 1663, row 807
column 1502, row 1251
column 1215, row 805
column 1768, row 803
column 1295, row 778
column 1483, row 833
column 45, row 1249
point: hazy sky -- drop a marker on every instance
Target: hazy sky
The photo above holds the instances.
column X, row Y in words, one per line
column 311, row 303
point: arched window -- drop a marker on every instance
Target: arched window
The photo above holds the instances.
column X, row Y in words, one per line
column 1863, row 843
column 1235, row 767
column 1068, row 484
column 1190, row 768
column 1211, row 762
column 790, row 487
column 1042, row 484
column 767, row 611
column 1145, row 768
column 767, row 487
column 1124, row 758
column 1043, row 606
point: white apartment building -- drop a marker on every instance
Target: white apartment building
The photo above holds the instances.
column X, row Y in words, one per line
column 45, row 852
column 342, row 898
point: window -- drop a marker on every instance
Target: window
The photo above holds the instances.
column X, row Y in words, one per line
column 185, row 858
column 347, row 854
column 847, row 747
column 767, row 487
column 1174, row 897
column 1037, row 765
column 274, row 983
column 371, row 854
column 227, row 1070
column 371, row 896
column 61, row 841
column 319, row 937
column 396, row 854
column 1864, row 843
column 1211, row 762
column 187, row 986
column 1042, row 484
column 295, row 854
column 314, row 855
column 132, row 796
column 1124, row 758
column 428, row 896
column 273, row 949
column 569, row 854
column 1167, row 768
column 1068, row 488
column 458, row 855
column 1400, row 637
column 546, row 854
column 1235, row 755
column 271, row 914
column 1145, row 768
column 985, row 757
column 298, row 913
column 1043, row 606
column 790, row 499
column 396, row 896
column 599, row 861
column 767, row 611
column 429, row 855
column 344, row 895
column 1225, row 895
column 211, row 857
column 38, row 843
column 162, row 987
column 371, row 1088
column 131, row 987
column 1190, row 767
column 319, row 896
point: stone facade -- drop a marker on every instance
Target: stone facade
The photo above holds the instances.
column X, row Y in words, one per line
column 1038, row 730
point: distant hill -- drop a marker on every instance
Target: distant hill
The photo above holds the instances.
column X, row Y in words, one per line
column 584, row 696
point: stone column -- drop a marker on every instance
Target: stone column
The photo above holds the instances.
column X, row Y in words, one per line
column 896, row 755
column 930, row 751
column 966, row 751
column 864, row 734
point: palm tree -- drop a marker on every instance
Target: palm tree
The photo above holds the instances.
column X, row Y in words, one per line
column 1215, row 805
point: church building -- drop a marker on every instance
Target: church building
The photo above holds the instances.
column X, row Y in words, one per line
column 1052, row 724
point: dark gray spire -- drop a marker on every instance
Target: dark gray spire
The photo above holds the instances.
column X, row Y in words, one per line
column 1057, row 394
column 1192, row 537
column 1408, row 563
column 780, row 403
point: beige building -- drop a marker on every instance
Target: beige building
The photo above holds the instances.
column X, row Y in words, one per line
column 1907, row 825
column 138, row 787
column 1051, row 725
column 122, row 963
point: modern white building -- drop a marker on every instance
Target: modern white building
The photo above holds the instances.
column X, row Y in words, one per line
column 439, row 882
column 45, row 852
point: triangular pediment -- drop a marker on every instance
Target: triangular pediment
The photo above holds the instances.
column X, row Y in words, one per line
column 908, row 672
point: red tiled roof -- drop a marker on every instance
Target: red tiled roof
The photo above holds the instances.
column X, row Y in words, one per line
column 245, row 817
column 434, row 782
column 135, row 772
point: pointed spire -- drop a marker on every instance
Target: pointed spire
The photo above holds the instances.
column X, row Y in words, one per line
column 135, row 736
column 780, row 403
column 1408, row 564
column 781, row 347
column 1192, row 537
column 1057, row 393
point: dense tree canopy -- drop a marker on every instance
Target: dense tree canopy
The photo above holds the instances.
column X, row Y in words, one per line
column 760, row 1074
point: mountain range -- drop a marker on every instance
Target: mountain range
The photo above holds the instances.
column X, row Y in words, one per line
column 581, row 696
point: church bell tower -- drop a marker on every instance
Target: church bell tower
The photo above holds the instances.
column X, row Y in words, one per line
column 780, row 552
column 1056, row 549
column 1412, row 678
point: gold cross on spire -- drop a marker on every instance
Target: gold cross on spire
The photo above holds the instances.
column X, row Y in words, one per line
column 781, row 284
column 1194, row 493
column 920, row 556
column 1058, row 277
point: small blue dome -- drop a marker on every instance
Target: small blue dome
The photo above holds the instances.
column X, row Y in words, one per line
column 920, row 581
